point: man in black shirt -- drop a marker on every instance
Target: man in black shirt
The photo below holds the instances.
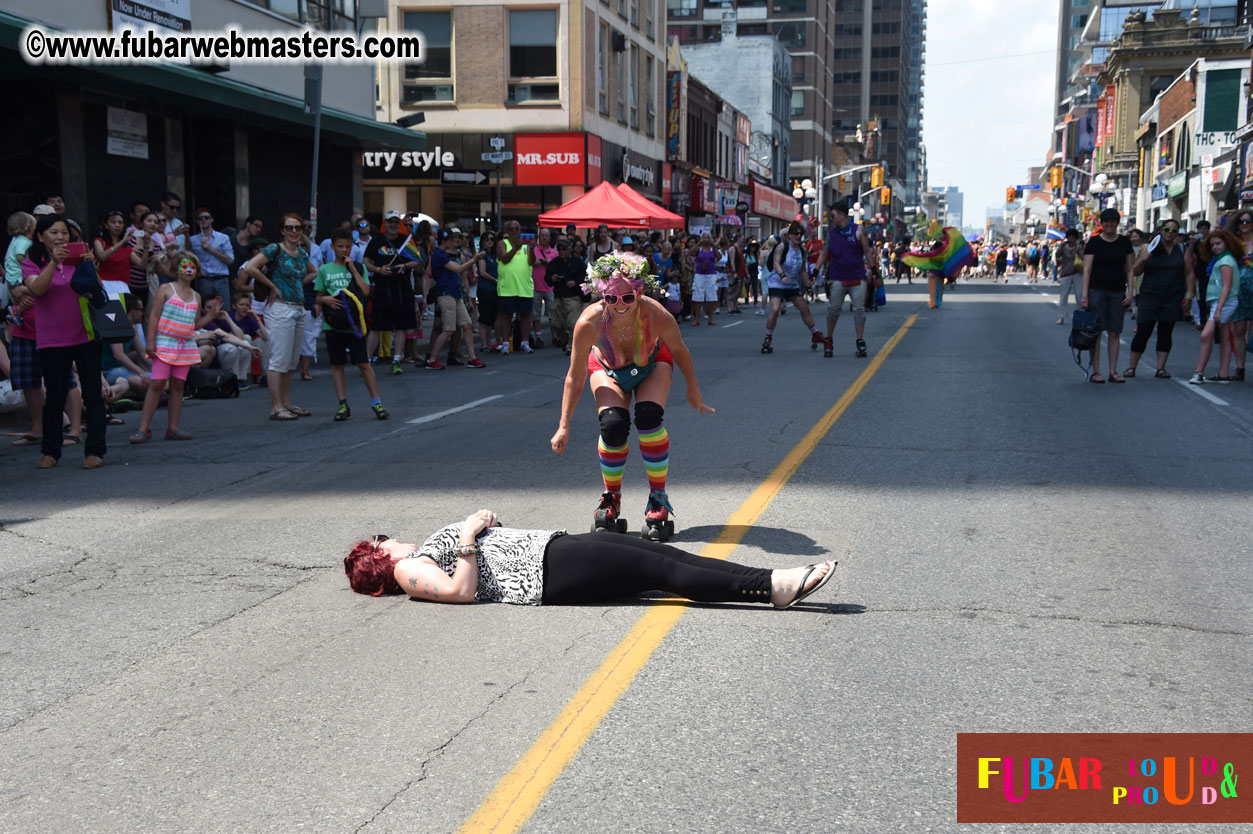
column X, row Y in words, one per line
column 392, row 302
column 1107, row 282
column 566, row 274
column 1200, row 268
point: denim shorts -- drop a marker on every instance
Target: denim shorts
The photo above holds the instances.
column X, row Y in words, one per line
column 1107, row 304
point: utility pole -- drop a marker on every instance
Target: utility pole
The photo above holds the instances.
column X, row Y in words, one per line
column 313, row 104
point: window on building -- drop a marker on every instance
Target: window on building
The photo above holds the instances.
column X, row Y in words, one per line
column 602, row 69
column 790, row 6
column 798, row 71
column 622, row 9
column 798, row 103
column 752, row 29
column 633, row 83
column 791, row 33
column 620, row 58
column 679, row 9
column 432, row 80
column 533, row 55
column 650, row 98
column 650, row 30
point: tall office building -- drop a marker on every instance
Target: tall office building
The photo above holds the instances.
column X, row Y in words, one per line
column 1072, row 17
column 877, row 65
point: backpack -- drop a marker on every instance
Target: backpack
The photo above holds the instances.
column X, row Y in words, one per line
column 350, row 317
column 211, row 384
column 1033, row 252
column 1084, row 335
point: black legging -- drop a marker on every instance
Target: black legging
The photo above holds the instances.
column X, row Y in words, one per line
column 1144, row 329
column 595, row 567
column 56, row 364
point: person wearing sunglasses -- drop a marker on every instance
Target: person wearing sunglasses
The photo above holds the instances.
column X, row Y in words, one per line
column 285, row 310
column 1107, row 261
column 1240, row 325
column 478, row 560
column 627, row 344
column 785, row 282
column 216, row 255
column 1166, row 291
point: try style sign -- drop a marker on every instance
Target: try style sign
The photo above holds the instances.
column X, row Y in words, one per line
column 389, row 162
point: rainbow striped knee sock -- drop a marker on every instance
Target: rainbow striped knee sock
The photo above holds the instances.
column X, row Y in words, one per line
column 655, row 447
column 612, row 462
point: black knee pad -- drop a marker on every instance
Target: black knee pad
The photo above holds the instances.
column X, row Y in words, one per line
column 615, row 426
column 648, row 416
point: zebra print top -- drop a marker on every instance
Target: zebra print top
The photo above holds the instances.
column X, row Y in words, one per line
column 511, row 562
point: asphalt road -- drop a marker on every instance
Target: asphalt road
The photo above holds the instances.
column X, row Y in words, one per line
column 1019, row 551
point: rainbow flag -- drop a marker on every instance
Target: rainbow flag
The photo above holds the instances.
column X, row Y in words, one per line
column 411, row 251
column 947, row 256
column 1055, row 232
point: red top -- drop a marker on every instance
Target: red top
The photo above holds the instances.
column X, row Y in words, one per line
column 116, row 267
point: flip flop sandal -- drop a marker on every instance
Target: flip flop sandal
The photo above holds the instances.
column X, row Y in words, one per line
column 27, row 440
column 1162, row 373
column 298, row 411
column 69, row 440
column 115, row 421
column 283, row 414
column 1097, row 379
column 1116, row 378
column 800, row 595
column 1130, row 373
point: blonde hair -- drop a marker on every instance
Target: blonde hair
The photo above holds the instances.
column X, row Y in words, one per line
column 20, row 223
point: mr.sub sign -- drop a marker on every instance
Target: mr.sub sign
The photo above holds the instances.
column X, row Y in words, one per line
column 549, row 159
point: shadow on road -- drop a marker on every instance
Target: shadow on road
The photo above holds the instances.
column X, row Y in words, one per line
column 769, row 539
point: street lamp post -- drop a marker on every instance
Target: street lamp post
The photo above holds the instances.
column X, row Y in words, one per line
column 805, row 194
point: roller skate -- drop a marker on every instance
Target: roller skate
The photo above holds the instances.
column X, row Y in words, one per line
column 861, row 348
column 767, row 344
column 815, row 340
column 658, row 526
column 828, row 348
column 607, row 516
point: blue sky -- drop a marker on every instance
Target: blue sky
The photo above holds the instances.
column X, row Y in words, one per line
column 988, row 117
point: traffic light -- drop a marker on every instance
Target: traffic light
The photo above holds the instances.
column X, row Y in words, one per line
column 1055, row 177
column 839, row 185
column 876, row 177
column 885, row 196
column 1010, row 193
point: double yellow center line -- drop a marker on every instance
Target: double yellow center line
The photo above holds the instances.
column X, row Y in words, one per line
column 517, row 795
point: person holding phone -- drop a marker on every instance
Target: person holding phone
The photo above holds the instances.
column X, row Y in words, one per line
column 62, row 342
column 112, row 250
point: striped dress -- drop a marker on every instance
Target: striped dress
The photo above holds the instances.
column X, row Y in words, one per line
column 176, row 329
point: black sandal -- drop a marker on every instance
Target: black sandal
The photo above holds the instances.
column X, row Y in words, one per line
column 1162, row 373
column 1130, row 373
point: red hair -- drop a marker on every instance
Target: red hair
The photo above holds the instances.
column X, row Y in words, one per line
column 371, row 570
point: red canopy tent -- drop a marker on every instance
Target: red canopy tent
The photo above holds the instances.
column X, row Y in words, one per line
column 662, row 219
column 603, row 204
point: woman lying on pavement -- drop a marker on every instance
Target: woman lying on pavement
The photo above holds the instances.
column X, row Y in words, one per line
column 478, row 560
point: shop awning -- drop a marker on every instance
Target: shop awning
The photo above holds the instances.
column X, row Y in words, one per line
column 603, row 204
column 209, row 94
column 664, row 219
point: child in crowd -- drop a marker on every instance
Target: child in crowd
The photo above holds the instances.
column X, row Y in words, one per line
column 171, row 340
column 674, row 299
column 235, row 349
column 343, row 274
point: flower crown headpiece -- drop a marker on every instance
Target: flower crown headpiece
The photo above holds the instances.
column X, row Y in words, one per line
column 627, row 266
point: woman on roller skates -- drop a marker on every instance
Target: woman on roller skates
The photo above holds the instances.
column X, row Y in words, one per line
column 628, row 344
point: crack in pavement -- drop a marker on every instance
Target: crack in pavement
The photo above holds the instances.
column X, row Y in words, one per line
column 1067, row 617
column 435, row 753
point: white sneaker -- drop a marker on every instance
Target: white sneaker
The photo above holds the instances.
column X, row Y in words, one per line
column 503, row 349
column 1197, row 379
column 525, row 347
column 760, row 312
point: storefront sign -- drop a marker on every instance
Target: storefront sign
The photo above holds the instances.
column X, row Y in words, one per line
column 406, row 163
column 642, row 174
column 595, row 168
column 1100, row 122
column 548, row 159
column 667, row 191
column 1177, row 184
column 1109, row 116
column 772, row 203
column 171, row 15
column 127, row 133
column 743, row 129
column 1159, row 191
column 1215, row 141
column 674, row 116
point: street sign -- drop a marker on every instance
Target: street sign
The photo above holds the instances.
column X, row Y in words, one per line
column 497, row 157
column 457, row 177
column 1035, row 187
column 1207, row 160
column 497, row 143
